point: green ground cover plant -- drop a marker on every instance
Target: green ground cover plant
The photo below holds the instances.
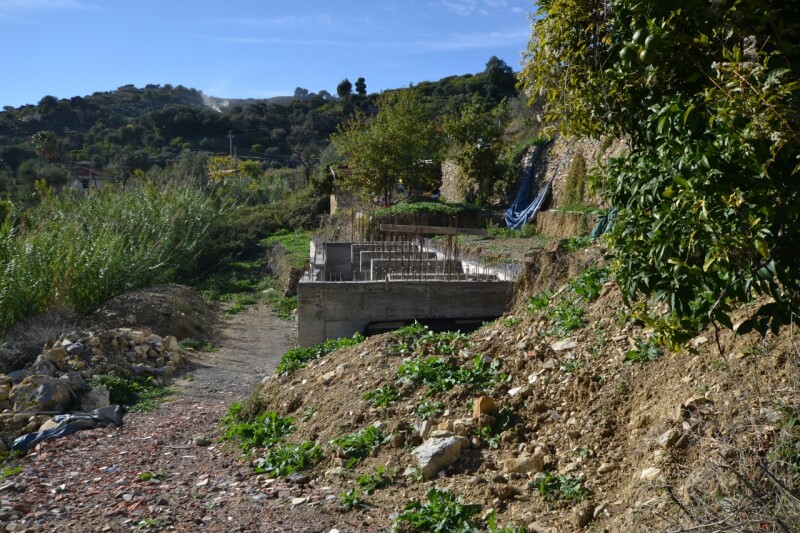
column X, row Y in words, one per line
column 439, row 376
column 358, row 445
column 137, row 394
column 442, row 512
column 263, row 430
column 296, row 358
column 382, row 397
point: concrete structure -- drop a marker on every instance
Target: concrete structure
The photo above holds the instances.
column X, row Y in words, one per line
column 352, row 286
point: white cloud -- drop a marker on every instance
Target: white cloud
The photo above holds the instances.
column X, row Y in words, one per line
column 463, row 8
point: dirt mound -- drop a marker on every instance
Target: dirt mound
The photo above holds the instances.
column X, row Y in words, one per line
column 163, row 309
column 594, row 427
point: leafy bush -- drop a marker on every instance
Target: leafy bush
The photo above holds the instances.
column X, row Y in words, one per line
column 707, row 190
column 296, row 358
column 443, row 512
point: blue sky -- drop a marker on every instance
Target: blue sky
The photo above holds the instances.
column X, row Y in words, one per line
column 249, row 49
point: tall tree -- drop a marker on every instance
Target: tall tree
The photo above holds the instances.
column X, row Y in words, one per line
column 361, row 86
column 477, row 136
column 344, row 89
column 398, row 146
column 707, row 95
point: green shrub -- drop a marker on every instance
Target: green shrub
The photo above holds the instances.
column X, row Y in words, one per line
column 369, row 483
column 589, row 284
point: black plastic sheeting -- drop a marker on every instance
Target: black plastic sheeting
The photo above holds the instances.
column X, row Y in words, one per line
column 69, row 424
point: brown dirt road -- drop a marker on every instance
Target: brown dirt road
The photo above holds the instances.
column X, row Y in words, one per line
column 98, row 480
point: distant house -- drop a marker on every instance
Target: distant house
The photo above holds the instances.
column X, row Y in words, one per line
column 85, row 179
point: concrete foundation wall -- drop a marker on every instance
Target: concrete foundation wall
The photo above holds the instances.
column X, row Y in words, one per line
column 337, row 262
column 332, row 310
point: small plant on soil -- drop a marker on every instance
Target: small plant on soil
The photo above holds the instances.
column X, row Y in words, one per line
column 296, row 358
column 196, row 345
column 565, row 317
column 382, row 397
column 352, row 499
column 645, row 351
column 440, row 376
column 10, row 471
column 574, row 244
column 561, row 487
column 505, row 419
column 416, row 338
column 309, row 413
column 358, row 445
column 265, row 429
column 429, row 409
column 443, row 512
column 492, row 527
column 369, row 483
column 288, row 457
column 589, row 284
column 147, row 476
column 134, row 394
column 539, row 302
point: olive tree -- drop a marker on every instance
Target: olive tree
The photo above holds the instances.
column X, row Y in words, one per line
column 398, row 146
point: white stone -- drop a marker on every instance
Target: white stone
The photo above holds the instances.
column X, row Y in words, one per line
column 566, row 344
column 435, row 454
column 649, row 474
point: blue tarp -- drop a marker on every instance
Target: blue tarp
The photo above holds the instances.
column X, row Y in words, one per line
column 523, row 210
column 604, row 224
column 516, row 219
column 69, row 424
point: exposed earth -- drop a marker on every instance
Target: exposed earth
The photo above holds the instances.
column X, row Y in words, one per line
column 582, row 428
column 92, row 480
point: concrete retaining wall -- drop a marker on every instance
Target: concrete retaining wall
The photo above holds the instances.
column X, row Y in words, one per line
column 332, row 310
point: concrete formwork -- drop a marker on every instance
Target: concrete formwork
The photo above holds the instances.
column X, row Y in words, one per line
column 332, row 310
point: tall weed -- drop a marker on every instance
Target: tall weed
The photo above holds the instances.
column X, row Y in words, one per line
column 79, row 252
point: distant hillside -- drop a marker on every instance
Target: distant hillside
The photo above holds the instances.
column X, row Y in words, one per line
column 134, row 128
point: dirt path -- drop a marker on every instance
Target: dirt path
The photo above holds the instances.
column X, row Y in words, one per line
column 149, row 475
